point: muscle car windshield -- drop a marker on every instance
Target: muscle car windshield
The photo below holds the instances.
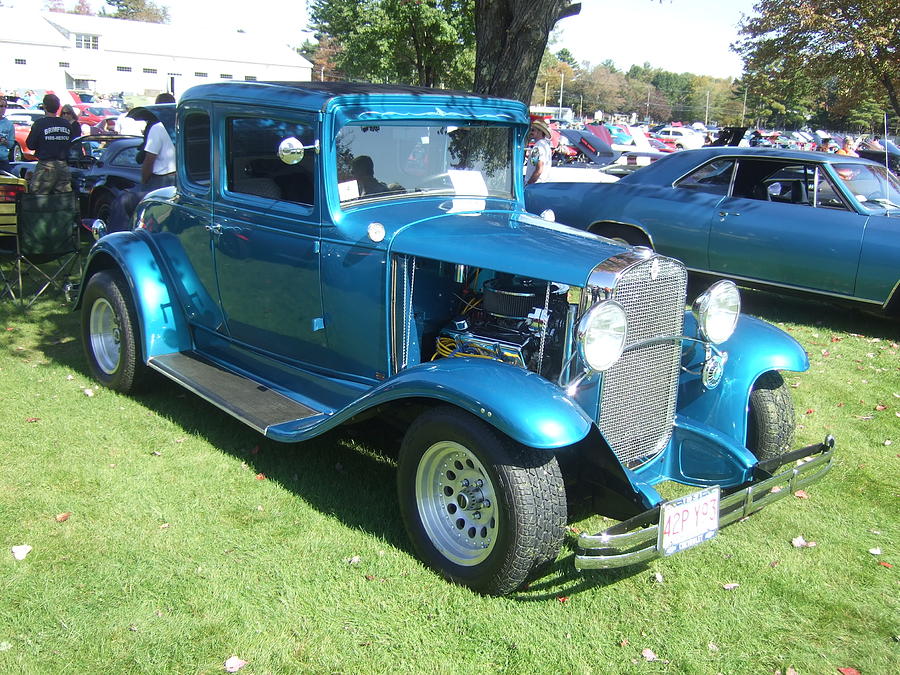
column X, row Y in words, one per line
column 874, row 187
column 391, row 161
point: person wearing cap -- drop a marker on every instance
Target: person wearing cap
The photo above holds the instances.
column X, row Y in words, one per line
column 537, row 166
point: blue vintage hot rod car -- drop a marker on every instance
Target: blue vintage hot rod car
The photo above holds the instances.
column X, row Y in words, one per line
column 333, row 251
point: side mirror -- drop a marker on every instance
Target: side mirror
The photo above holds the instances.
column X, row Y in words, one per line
column 292, row 151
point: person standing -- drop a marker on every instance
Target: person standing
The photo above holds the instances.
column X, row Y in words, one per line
column 537, row 169
column 7, row 137
column 68, row 113
column 158, row 167
column 49, row 138
column 847, row 148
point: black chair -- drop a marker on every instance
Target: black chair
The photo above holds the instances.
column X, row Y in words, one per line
column 45, row 236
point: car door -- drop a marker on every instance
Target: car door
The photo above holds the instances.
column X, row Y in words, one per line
column 266, row 234
column 809, row 238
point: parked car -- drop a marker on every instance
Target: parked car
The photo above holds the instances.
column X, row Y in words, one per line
column 812, row 222
column 92, row 114
column 684, row 138
column 334, row 252
column 888, row 154
column 22, row 121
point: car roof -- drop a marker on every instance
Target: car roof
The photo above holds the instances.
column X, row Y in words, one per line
column 671, row 167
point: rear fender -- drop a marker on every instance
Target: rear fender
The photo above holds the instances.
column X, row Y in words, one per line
column 755, row 347
column 163, row 328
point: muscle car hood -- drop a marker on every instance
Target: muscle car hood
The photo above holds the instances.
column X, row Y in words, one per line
column 506, row 241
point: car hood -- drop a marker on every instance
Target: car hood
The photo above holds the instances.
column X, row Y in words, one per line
column 493, row 237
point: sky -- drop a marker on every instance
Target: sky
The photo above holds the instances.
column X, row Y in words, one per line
column 676, row 35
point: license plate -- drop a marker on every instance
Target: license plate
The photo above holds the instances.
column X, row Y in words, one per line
column 689, row 520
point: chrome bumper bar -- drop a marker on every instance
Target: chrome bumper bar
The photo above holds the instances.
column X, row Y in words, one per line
column 634, row 541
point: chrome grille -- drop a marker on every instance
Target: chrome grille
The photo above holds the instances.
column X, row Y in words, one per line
column 638, row 394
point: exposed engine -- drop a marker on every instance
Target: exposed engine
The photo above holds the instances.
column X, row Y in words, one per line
column 517, row 320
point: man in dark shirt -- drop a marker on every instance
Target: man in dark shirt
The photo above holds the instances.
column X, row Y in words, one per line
column 49, row 138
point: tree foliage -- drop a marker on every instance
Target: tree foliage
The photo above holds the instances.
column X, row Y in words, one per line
column 138, row 10
column 424, row 42
column 807, row 42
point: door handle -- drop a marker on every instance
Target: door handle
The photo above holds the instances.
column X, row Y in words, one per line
column 723, row 214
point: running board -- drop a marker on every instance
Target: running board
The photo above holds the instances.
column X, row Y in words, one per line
column 251, row 402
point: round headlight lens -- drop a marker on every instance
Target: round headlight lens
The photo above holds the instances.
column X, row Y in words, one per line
column 717, row 311
column 601, row 335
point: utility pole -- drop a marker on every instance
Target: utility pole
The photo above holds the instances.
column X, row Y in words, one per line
column 647, row 116
column 562, row 80
column 706, row 119
column 744, row 109
column 544, row 104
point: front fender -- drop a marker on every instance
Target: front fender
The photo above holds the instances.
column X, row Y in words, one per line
column 755, row 347
column 160, row 319
column 523, row 405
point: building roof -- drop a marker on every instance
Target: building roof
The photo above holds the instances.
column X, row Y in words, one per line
column 139, row 37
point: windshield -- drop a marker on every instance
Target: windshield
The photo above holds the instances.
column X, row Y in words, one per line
column 874, row 187
column 394, row 161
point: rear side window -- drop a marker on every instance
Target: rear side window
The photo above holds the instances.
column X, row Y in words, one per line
column 196, row 147
column 254, row 167
column 712, row 178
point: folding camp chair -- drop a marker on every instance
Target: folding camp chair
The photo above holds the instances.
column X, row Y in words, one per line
column 46, row 236
column 11, row 190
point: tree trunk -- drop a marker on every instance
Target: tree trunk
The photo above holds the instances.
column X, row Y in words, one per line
column 510, row 38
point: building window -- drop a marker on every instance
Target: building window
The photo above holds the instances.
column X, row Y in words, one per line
column 200, row 75
column 174, row 74
column 123, row 69
column 150, row 71
column 225, row 76
column 83, row 41
column 63, row 64
column 20, row 62
column 250, row 78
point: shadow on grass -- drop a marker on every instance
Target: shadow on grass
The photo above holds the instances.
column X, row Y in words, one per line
column 350, row 472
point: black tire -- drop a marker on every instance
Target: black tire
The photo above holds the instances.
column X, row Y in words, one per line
column 102, row 207
column 770, row 417
column 622, row 234
column 520, row 505
column 110, row 334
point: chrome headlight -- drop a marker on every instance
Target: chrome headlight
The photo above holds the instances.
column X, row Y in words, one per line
column 601, row 335
column 717, row 311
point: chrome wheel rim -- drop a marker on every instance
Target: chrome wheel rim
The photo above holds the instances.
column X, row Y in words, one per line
column 456, row 503
column 105, row 336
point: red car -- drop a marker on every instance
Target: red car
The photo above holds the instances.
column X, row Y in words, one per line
column 92, row 114
column 22, row 121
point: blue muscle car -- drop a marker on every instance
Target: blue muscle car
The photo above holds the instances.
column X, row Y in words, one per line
column 805, row 221
column 336, row 251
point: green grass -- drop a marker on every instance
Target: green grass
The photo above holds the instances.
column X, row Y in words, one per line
column 176, row 556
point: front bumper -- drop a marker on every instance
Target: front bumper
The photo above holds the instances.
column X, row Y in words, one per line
column 636, row 540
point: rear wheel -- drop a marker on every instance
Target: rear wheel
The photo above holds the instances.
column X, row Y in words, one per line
column 479, row 508
column 110, row 333
column 102, row 208
column 770, row 417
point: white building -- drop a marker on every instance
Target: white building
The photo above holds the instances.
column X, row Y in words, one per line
column 56, row 51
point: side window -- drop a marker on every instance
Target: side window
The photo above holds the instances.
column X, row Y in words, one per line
column 126, row 158
column 713, row 178
column 790, row 185
column 254, row 167
column 826, row 196
column 196, row 148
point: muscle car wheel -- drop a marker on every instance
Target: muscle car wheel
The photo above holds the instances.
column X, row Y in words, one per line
column 481, row 509
column 770, row 418
column 109, row 333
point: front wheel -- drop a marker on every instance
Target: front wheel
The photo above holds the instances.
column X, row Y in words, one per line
column 481, row 509
column 770, row 417
column 110, row 334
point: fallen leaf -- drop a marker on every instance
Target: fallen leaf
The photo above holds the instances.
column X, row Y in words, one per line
column 825, row 352
column 885, row 564
column 875, row 551
column 354, row 560
column 648, row 654
column 164, row 526
column 730, row 587
column 835, row 338
column 623, row 642
column 19, row 552
column 774, row 563
column 260, row 476
column 848, row 671
column 777, row 488
column 810, row 411
column 156, row 453
column 5, row 646
column 370, row 577
column 234, row 664
column 880, row 407
column 841, row 405
column 63, row 517
column 801, row 494
column 70, row 377
column 32, row 419
column 88, row 392
column 888, row 442
column 657, row 577
column 563, row 599
column 800, row 542
column 712, row 647
column 790, row 671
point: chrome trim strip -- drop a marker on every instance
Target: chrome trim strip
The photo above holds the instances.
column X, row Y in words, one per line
column 612, row 545
column 804, row 289
column 605, row 277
